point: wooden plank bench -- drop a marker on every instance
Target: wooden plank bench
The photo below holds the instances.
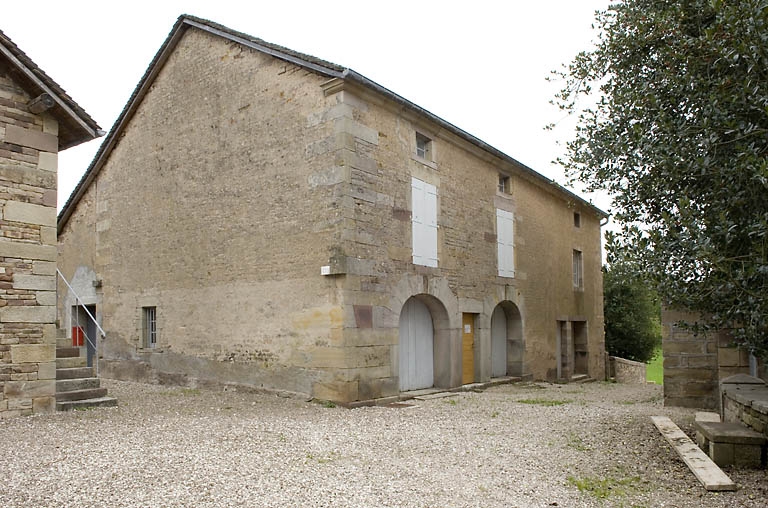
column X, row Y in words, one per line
column 706, row 471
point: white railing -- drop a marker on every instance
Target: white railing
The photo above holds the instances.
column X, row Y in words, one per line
column 81, row 304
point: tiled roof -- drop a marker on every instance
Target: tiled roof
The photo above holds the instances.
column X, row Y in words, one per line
column 75, row 125
column 318, row 65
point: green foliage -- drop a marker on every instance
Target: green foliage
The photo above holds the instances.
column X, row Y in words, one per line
column 678, row 135
column 632, row 313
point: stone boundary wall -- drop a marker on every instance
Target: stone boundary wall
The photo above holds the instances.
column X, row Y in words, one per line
column 627, row 371
column 690, row 363
column 745, row 400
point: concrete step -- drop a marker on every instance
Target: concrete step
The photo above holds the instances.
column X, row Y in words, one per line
column 67, row 352
column 74, row 372
column 71, row 385
column 70, row 405
column 69, row 363
column 63, row 342
column 90, row 393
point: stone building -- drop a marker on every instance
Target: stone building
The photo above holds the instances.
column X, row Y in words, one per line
column 260, row 217
column 37, row 120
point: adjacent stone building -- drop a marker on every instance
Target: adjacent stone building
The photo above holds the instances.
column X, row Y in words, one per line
column 260, row 217
column 37, row 120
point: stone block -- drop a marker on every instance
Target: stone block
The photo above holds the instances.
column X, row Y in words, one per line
column 721, row 454
column 33, row 353
column 346, row 125
column 17, row 211
column 690, row 347
column 38, row 282
column 38, row 140
column 44, row 267
column 30, row 314
column 45, row 297
column 339, row 391
column 30, row 389
column 748, row 456
column 46, row 371
column 12, row 249
column 19, row 404
column 728, row 357
column 48, row 235
column 48, row 161
column 43, row 405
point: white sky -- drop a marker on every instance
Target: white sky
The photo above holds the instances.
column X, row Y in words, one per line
column 480, row 65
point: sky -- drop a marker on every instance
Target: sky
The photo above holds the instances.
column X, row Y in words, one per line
column 480, row 65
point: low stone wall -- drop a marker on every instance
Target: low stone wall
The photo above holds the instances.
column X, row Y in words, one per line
column 626, row 371
column 745, row 400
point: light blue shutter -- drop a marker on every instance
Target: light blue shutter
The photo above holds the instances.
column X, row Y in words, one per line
column 424, row 222
column 505, row 224
column 430, row 225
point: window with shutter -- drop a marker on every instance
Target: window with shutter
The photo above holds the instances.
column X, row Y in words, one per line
column 505, row 225
column 424, row 222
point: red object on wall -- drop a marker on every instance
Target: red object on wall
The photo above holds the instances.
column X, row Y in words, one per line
column 78, row 336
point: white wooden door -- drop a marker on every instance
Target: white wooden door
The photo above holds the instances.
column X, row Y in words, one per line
column 416, row 337
column 498, row 343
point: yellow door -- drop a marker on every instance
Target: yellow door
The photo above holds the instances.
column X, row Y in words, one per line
column 468, row 348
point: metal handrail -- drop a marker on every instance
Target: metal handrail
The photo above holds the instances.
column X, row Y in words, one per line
column 80, row 303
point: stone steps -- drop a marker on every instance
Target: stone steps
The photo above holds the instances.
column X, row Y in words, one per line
column 71, row 405
column 74, row 373
column 70, row 362
column 77, row 386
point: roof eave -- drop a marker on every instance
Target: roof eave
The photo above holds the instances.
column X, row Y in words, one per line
column 89, row 129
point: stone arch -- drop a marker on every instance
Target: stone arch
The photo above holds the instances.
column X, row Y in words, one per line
column 443, row 305
column 507, row 341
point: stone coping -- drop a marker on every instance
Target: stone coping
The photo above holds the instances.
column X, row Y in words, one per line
column 746, row 390
column 731, row 433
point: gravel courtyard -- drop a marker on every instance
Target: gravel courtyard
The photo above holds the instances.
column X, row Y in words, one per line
column 520, row 445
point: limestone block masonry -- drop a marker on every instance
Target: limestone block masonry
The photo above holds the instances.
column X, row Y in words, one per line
column 252, row 223
column 28, row 152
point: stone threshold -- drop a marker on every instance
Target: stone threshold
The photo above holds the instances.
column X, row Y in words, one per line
column 436, row 393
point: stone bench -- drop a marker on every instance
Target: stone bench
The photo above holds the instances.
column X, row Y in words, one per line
column 731, row 444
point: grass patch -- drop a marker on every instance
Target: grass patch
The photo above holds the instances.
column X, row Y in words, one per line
column 544, row 402
column 577, row 443
column 603, row 488
column 654, row 371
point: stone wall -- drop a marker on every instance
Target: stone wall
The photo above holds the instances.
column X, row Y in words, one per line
column 694, row 363
column 627, row 371
column 690, row 363
column 240, row 176
column 28, row 163
column 745, row 400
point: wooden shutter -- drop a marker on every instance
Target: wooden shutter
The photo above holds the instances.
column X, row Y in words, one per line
column 424, row 222
column 505, row 224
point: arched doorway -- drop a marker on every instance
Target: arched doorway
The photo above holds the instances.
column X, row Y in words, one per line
column 416, row 346
column 507, row 344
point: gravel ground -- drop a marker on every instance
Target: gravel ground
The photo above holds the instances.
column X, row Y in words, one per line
column 532, row 444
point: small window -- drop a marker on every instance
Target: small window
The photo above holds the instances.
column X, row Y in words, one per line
column 504, row 187
column 578, row 270
column 576, row 219
column 423, row 147
column 149, row 326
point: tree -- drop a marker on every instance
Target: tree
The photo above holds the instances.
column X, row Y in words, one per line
column 678, row 135
column 632, row 313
